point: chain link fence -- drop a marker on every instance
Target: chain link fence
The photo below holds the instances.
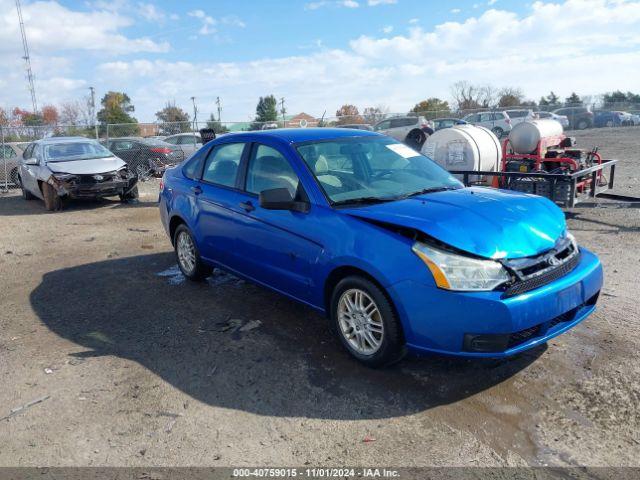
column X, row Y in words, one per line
column 149, row 148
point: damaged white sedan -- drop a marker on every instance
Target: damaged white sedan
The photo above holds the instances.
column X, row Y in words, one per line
column 59, row 168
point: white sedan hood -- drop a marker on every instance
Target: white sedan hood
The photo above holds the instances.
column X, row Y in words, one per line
column 87, row 167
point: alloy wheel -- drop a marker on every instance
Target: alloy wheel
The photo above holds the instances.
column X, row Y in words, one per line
column 360, row 321
column 186, row 252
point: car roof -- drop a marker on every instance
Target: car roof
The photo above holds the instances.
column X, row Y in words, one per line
column 297, row 135
column 182, row 134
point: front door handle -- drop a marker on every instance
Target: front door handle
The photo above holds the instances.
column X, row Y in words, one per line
column 197, row 189
column 248, row 206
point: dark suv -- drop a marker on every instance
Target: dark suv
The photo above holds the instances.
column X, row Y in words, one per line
column 579, row 117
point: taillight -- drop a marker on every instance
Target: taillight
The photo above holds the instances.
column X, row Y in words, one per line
column 162, row 184
column 508, row 120
column 164, row 150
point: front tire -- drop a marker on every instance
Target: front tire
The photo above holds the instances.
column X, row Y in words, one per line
column 498, row 131
column 188, row 256
column 130, row 195
column 52, row 201
column 366, row 323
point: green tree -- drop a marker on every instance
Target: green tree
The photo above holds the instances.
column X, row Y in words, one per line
column 116, row 107
column 434, row 105
column 266, row 110
column 573, row 99
column 216, row 126
column 510, row 97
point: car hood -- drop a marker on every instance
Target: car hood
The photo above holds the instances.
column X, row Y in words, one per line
column 482, row 221
column 87, row 167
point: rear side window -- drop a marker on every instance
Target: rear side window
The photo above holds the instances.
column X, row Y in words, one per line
column 193, row 168
column 222, row 164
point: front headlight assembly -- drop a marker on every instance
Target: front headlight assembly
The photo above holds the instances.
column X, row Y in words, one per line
column 457, row 272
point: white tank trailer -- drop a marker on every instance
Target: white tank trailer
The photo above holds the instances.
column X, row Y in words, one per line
column 525, row 136
column 465, row 147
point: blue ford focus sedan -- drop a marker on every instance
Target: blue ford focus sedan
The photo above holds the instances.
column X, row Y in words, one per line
column 393, row 249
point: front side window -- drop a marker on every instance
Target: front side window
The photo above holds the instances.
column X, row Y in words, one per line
column 269, row 169
column 222, row 165
column 372, row 169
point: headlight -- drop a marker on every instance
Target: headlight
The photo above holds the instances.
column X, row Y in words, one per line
column 457, row 272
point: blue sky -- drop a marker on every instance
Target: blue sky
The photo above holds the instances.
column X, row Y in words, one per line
column 318, row 54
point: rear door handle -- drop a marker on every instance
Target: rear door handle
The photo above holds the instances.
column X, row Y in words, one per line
column 248, row 206
column 197, row 189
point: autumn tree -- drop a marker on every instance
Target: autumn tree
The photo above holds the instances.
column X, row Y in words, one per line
column 348, row 114
column 4, row 117
column 173, row 120
column 50, row 115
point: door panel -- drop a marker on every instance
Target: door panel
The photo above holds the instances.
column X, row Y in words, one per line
column 274, row 246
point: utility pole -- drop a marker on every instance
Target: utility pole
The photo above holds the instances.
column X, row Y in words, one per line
column 27, row 59
column 219, row 107
column 93, row 110
column 283, row 111
column 195, row 114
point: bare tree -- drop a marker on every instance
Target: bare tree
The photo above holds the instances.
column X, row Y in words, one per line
column 469, row 97
column 510, row 97
column 70, row 113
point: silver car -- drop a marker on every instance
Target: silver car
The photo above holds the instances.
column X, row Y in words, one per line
column 61, row 168
column 189, row 143
column 412, row 130
column 10, row 156
column 563, row 119
column 498, row 122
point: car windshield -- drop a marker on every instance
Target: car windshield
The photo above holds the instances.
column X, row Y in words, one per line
column 372, row 170
column 72, row 151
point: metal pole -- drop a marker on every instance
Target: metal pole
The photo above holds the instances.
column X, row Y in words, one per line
column 93, row 110
column 4, row 159
column 107, row 128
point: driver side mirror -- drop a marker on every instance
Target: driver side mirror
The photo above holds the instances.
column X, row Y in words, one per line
column 281, row 199
column 30, row 161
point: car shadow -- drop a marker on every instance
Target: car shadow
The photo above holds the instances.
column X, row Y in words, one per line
column 235, row 345
column 13, row 204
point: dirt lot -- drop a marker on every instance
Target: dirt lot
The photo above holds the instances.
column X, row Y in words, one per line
column 135, row 367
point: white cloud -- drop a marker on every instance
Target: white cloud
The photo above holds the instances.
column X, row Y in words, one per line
column 385, row 69
column 74, row 30
column 414, row 21
column 151, row 13
column 387, row 29
column 209, row 24
column 455, row 10
column 491, row 2
column 345, row 3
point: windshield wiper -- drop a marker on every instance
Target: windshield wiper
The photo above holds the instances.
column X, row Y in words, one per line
column 364, row 201
column 429, row 190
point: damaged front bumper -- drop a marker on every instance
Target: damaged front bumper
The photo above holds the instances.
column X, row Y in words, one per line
column 92, row 186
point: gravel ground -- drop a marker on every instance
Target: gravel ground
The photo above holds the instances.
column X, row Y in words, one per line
column 129, row 365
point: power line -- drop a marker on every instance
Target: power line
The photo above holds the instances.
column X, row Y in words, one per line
column 27, row 59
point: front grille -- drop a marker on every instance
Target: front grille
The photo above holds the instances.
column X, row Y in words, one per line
column 536, row 282
column 534, row 272
column 522, row 336
column 91, row 180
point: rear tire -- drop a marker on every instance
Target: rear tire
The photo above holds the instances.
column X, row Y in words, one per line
column 52, row 201
column 381, row 341
column 188, row 256
column 26, row 194
column 498, row 131
column 583, row 125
